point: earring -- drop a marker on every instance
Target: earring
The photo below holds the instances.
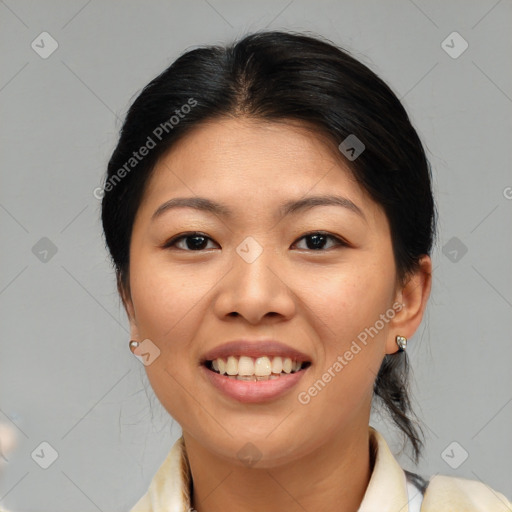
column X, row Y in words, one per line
column 401, row 341
column 133, row 345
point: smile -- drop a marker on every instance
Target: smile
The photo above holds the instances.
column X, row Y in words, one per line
column 254, row 379
column 255, row 368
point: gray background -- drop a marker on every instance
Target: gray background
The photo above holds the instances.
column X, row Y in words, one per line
column 67, row 376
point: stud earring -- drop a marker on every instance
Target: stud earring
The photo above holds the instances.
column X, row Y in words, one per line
column 401, row 341
column 133, row 345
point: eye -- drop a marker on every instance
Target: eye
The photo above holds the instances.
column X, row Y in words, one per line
column 194, row 241
column 317, row 240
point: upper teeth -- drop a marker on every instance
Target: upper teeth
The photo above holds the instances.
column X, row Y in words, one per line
column 259, row 366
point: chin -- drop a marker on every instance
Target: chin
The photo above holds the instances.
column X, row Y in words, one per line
column 259, row 450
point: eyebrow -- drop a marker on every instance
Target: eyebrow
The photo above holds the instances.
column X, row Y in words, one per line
column 287, row 208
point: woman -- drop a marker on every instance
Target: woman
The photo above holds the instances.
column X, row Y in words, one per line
column 269, row 213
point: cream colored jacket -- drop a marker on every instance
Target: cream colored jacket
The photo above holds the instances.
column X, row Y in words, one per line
column 169, row 491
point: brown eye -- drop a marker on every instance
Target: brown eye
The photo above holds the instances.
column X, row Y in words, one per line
column 192, row 242
column 318, row 240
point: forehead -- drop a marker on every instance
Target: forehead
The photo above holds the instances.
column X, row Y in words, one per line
column 240, row 161
column 235, row 139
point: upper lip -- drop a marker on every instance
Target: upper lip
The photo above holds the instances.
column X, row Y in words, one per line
column 254, row 348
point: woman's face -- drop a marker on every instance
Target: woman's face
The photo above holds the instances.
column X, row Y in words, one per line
column 260, row 274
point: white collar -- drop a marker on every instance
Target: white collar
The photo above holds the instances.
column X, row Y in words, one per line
column 169, row 491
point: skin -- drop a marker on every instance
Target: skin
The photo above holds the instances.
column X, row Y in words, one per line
column 314, row 456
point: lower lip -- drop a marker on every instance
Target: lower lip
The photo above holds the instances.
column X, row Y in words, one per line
column 253, row 391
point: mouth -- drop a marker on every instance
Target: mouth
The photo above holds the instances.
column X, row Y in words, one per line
column 255, row 369
column 252, row 380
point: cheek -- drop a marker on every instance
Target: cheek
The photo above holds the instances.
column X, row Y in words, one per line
column 167, row 308
column 346, row 313
column 165, row 299
column 347, row 303
column 340, row 386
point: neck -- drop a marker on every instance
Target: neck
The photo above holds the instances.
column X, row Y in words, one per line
column 333, row 477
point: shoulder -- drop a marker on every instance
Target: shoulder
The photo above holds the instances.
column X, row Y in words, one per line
column 170, row 487
column 463, row 495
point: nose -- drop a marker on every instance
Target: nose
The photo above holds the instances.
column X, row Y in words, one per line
column 256, row 288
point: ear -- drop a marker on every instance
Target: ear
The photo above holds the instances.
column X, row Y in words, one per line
column 125, row 294
column 414, row 297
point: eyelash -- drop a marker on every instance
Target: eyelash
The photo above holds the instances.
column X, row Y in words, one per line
column 173, row 241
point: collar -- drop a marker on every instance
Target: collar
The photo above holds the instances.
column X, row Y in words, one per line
column 169, row 491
